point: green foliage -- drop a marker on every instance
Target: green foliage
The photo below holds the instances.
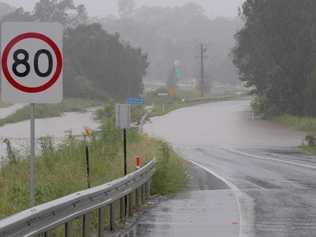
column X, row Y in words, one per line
column 98, row 65
column 62, row 170
column 4, row 104
column 307, row 124
column 49, row 110
column 310, row 95
column 57, row 11
column 258, row 105
column 170, row 176
column 65, row 164
column 137, row 113
column 309, row 150
column 310, row 139
column 51, row 11
column 274, row 53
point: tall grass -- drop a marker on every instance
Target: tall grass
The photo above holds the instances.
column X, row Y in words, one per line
column 170, row 176
column 307, row 124
column 4, row 104
column 61, row 170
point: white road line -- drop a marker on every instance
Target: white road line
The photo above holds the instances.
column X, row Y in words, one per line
column 268, row 158
column 220, row 158
column 236, row 191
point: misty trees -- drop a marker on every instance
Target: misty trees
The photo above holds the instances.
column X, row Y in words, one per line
column 5, row 9
column 126, row 7
column 65, row 12
column 168, row 34
column 97, row 64
column 275, row 53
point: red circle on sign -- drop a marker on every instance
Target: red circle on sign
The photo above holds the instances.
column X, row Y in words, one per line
column 19, row 86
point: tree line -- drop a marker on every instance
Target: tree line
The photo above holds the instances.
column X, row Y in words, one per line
column 276, row 54
column 172, row 34
column 97, row 64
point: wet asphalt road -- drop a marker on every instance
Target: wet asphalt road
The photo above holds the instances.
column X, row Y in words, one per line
column 273, row 183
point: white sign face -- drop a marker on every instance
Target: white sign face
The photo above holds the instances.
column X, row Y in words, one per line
column 123, row 116
column 32, row 62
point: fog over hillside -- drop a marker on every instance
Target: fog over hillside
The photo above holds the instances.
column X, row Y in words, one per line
column 214, row 8
column 5, row 9
column 177, row 28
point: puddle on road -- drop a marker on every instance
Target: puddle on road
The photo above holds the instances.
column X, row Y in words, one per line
column 191, row 213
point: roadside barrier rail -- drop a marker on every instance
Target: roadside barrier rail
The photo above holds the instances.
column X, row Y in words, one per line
column 129, row 192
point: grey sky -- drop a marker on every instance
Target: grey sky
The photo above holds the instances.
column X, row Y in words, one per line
column 105, row 7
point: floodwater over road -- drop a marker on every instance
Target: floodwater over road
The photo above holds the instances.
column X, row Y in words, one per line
column 272, row 182
column 227, row 123
column 4, row 112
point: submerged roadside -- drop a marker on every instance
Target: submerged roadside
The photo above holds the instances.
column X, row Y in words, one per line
column 65, row 163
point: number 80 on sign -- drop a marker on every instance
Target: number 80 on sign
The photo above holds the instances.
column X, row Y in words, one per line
column 32, row 62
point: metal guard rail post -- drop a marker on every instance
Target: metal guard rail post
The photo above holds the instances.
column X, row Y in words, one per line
column 38, row 221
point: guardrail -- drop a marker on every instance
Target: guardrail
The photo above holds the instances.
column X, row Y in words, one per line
column 130, row 191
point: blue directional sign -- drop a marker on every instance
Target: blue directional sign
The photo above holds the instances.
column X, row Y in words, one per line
column 136, row 101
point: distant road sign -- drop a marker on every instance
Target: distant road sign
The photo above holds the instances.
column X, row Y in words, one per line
column 178, row 73
column 32, row 62
column 136, row 101
column 163, row 94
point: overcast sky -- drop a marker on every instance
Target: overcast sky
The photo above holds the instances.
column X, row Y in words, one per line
column 214, row 8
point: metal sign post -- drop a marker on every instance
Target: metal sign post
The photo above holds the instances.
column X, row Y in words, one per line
column 125, row 165
column 123, row 121
column 88, row 165
column 88, row 133
column 33, row 156
column 125, row 150
column 32, row 68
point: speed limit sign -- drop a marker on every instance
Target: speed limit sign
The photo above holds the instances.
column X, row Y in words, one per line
column 32, row 63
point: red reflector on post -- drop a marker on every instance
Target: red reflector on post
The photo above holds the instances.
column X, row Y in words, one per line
column 138, row 162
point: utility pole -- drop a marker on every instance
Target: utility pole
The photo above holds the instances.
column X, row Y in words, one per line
column 202, row 83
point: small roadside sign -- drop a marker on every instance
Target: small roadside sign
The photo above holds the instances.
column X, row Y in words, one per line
column 162, row 94
column 123, row 121
column 178, row 73
column 123, row 116
column 136, row 101
column 88, row 132
column 32, row 62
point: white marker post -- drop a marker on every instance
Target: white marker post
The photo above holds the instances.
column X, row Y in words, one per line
column 123, row 121
column 32, row 71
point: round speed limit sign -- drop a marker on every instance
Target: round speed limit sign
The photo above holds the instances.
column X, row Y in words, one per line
column 32, row 62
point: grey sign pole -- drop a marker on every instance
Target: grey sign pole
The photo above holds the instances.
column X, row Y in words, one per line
column 123, row 120
column 32, row 158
